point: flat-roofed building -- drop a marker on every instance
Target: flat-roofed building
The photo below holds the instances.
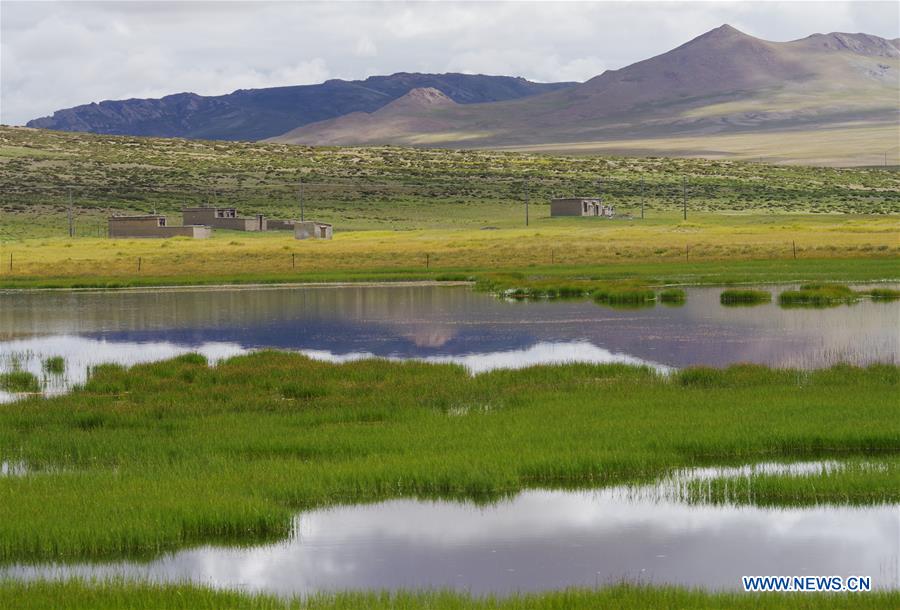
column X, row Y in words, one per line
column 223, row 218
column 313, row 230
column 580, row 206
column 153, row 225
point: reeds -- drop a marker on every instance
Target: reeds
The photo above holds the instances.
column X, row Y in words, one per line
column 745, row 297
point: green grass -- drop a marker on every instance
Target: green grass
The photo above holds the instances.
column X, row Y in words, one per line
column 114, row 595
column 175, row 453
column 19, row 381
column 624, row 296
column 745, row 297
column 818, row 295
column 672, row 296
column 55, row 365
column 883, row 294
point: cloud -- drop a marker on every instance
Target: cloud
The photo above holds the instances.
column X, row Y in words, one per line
column 59, row 54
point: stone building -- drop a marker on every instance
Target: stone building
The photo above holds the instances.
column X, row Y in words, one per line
column 153, row 225
column 580, row 206
column 223, row 218
column 312, row 230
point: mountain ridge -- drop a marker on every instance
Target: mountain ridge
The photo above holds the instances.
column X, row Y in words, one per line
column 723, row 81
column 254, row 114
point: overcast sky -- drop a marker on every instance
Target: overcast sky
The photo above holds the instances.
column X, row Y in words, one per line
column 61, row 54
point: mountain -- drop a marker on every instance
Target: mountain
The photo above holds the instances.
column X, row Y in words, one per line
column 254, row 114
column 719, row 84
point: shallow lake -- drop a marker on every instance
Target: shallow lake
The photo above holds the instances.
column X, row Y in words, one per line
column 433, row 323
column 540, row 540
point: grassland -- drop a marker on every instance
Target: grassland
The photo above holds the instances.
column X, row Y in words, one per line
column 76, row 594
column 176, row 453
column 388, row 187
column 426, row 214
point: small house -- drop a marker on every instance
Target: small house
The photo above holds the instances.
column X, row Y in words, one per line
column 312, row 230
column 153, row 225
column 223, row 218
column 580, row 206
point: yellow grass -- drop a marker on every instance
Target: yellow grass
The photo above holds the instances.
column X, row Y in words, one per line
column 561, row 241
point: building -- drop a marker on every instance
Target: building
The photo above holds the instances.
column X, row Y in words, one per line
column 580, row 206
column 280, row 225
column 312, row 230
column 153, row 225
column 223, row 218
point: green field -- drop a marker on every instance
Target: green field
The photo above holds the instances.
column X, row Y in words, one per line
column 76, row 594
column 177, row 453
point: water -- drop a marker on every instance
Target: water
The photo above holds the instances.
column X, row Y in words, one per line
column 540, row 540
column 433, row 323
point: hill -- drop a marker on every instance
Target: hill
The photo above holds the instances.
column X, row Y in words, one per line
column 254, row 114
column 683, row 102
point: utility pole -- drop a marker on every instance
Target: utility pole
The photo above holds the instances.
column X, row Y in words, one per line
column 71, row 220
column 526, row 202
column 300, row 195
column 642, row 197
column 684, row 195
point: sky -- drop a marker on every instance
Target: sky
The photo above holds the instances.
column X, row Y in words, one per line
column 56, row 55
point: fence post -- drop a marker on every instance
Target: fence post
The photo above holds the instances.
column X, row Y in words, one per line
column 293, row 261
column 139, row 264
column 426, row 261
column 794, row 244
column 687, row 253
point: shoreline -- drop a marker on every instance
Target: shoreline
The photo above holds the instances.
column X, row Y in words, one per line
column 249, row 286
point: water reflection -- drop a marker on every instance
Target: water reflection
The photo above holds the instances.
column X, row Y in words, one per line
column 537, row 541
column 434, row 323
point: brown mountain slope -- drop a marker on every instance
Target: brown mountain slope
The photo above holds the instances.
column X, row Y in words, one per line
column 723, row 82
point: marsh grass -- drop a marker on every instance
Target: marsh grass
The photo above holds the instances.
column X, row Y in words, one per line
column 883, row 294
column 19, row 381
column 624, row 296
column 54, row 365
column 164, row 455
column 819, row 295
column 672, row 296
column 115, row 594
column 741, row 297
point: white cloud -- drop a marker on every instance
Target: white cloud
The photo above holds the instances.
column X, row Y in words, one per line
column 59, row 54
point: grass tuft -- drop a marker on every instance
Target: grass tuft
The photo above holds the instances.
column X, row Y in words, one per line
column 19, row 381
column 745, row 297
column 55, row 365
